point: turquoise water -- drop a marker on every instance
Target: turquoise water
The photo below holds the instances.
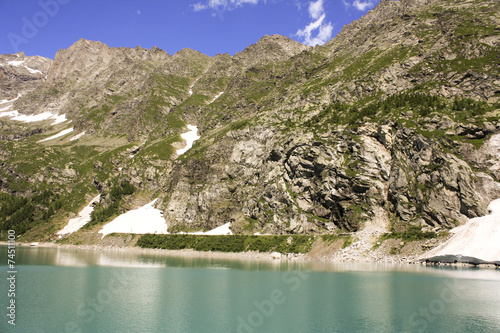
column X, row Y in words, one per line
column 67, row 290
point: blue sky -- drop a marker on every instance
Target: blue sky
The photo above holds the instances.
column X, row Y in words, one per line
column 41, row 27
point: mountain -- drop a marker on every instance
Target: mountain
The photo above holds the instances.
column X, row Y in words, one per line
column 392, row 125
column 20, row 74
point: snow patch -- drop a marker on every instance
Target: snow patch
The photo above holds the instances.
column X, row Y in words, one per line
column 222, row 230
column 144, row 220
column 19, row 63
column 33, row 71
column 15, row 115
column 3, row 101
column 216, row 97
column 58, row 135
column 8, row 111
column 479, row 239
column 78, row 136
column 58, row 118
column 16, row 63
column 192, row 86
column 39, row 117
column 82, row 219
column 190, row 138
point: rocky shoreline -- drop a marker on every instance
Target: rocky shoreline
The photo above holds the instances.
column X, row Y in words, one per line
column 347, row 255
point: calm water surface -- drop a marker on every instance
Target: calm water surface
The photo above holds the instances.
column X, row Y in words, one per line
column 69, row 290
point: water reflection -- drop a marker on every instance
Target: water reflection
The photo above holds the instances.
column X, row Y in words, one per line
column 159, row 293
column 76, row 257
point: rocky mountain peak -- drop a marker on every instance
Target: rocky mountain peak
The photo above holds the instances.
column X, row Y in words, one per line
column 81, row 57
column 270, row 49
column 288, row 45
column 20, row 73
column 23, row 62
column 90, row 58
column 187, row 52
column 154, row 54
column 88, row 44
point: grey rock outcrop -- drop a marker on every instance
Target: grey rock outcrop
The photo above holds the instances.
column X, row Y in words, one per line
column 20, row 74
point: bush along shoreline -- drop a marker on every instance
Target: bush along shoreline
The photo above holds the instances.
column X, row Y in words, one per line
column 229, row 243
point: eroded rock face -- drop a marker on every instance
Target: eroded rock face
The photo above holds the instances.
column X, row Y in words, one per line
column 20, row 74
column 302, row 183
column 430, row 185
column 93, row 60
column 487, row 157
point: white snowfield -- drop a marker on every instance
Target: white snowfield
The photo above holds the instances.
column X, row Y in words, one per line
column 39, row 117
column 478, row 239
column 19, row 63
column 222, row 230
column 82, row 219
column 8, row 111
column 144, row 220
column 78, row 136
column 149, row 220
column 58, row 135
column 190, row 138
column 4, row 101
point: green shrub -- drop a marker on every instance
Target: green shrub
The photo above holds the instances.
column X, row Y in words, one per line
column 413, row 233
column 101, row 213
column 229, row 243
column 21, row 214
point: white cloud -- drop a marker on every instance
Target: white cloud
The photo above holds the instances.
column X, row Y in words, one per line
column 316, row 9
column 223, row 5
column 199, row 6
column 322, row 29
column 360, row 5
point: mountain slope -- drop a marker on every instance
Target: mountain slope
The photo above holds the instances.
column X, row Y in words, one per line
column 391, row 124
column 20, row 74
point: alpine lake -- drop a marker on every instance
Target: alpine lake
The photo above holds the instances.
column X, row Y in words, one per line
column 78, row 290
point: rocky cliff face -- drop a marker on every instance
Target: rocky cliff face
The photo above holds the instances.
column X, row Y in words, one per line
column 294, row 139
column 20, row 74
column 304, row 167
column 268, row 182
